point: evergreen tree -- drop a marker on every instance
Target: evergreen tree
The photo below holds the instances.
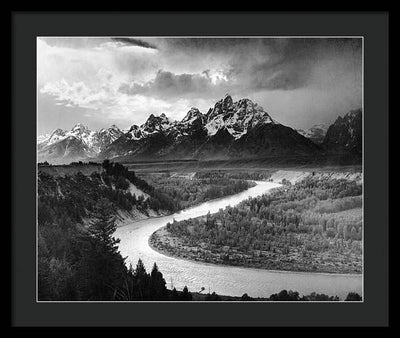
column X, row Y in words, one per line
column 142, row 280
column 174, row 294
column 186, row 295
column 101, row 266
column 158, row 289
column 353, row 297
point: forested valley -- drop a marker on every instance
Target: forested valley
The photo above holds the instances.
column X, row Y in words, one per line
column 313, row 225
column 80, row 260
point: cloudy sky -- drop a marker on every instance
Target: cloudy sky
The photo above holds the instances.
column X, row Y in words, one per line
column 105, row 81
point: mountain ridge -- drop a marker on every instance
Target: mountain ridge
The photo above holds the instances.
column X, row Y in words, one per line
column 75, row 144
column 229, row 130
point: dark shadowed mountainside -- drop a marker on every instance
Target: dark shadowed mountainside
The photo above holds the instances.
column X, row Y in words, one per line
column 345, row 135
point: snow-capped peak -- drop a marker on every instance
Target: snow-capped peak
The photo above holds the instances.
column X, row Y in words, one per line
column 42, row 138
column 156, row 123
column 236, row 117
column 134, row 133
column 93, row 140
column 227, row 102
column 192, row 115
column 353, row 114
column 112, row 129
column 57, row 135
column 80, row 127
column 58, row 131
column 222, row 107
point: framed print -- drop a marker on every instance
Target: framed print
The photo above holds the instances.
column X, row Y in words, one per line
column 176, row 174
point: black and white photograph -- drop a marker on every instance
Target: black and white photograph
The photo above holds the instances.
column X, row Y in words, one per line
column 199, row 169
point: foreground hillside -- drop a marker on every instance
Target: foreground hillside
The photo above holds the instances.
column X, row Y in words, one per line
column 68, row 195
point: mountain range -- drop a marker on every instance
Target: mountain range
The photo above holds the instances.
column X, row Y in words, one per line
column 229, row 130
column 63, row 146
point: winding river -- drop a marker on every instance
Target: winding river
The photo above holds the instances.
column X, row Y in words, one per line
column 225, row 280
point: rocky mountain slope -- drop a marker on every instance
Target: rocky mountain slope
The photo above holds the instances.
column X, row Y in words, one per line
column 345, row 134
column 316, row 133
column 63, row 146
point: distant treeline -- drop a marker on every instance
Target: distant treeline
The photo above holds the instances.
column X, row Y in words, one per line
column 282, row 296
column 79, row 163
column 184, row 193
column 159, row 161
column 238, row 175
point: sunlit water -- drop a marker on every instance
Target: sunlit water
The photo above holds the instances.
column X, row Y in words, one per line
column 225, row 280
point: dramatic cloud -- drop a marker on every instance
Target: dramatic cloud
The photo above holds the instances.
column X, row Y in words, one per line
column 167, row 84
column 293, row 63
column 135, row 42
column 124, row 79
column 256, row 64
column 107, row 103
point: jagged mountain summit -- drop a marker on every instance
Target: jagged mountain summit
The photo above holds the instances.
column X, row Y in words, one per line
column 235, row 117
column 316, row 133
column 229, row 130
column 345, row 134
column 62, row 146
column 241, row 129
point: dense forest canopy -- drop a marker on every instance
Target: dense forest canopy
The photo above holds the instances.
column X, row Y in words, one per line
column 314, row 225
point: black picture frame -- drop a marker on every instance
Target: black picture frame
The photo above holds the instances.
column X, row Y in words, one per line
column 373, row 26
